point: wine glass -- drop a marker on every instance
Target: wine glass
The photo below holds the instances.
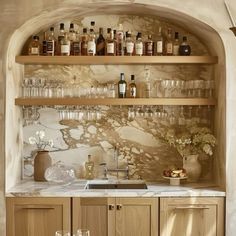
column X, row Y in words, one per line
column 62, row 233
column 82, row 232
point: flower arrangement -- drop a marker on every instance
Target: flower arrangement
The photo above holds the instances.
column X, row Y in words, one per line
column 40, row 141
column 191, row 140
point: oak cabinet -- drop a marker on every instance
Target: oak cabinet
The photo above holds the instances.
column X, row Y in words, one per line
column 116, row 216
column 37, row 216
column 192, row 216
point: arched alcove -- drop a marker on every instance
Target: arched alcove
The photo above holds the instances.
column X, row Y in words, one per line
column 15, row 72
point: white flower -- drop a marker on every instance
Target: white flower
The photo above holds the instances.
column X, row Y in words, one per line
column 32, row 140
column 207, row 149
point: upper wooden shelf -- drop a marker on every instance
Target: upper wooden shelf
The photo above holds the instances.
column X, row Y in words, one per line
column 111, row 60
column 114, row 101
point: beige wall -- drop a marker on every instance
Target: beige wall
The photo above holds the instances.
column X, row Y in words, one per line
column 211, row 12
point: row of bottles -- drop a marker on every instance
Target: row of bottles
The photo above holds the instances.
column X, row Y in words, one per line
column 115, row 43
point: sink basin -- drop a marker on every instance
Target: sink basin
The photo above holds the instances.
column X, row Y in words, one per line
column 122, row 184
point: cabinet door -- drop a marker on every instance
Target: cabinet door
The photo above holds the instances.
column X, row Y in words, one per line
column 137, row 217
column 37, row 216
column 192, row 216
column 95, row 214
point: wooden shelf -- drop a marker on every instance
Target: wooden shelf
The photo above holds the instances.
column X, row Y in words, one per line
column 112, row 60
column 114, row 101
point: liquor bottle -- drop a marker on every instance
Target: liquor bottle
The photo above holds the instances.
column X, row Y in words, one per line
column 51, row 43
column 65, row 46
column 120, row 40
column 159, row 43
column 124, row 43
column 132, row 88
column 34, row 46
column 100, row 50
column 89, row 168
column 75, row 47
column 122, row 86
column 139, row 45
column 91, row 49
column 169, row 43
column 60, row 37
column 147, row 87
column 184, row 48
column 110, row 43
column 149, row 46
column 84, row 42
column 129, row 45
column 72, row 34
column 44, row 45
column 176, row 45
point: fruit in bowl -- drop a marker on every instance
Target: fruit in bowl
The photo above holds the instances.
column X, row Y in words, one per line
column 175, row 173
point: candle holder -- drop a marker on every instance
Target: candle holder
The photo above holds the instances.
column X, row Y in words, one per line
column 233, row 29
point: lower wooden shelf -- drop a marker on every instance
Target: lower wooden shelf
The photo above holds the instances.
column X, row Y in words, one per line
column 115, row 101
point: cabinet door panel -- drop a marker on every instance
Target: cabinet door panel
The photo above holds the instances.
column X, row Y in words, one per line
column 37, row 216
column 191, row 216
column 137, row 217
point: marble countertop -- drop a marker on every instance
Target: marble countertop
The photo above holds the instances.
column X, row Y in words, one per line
column 78, row 189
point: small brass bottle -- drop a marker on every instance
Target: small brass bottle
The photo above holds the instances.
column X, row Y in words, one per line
column 89, row 168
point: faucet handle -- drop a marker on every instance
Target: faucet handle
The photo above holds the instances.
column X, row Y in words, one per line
column 104, row 164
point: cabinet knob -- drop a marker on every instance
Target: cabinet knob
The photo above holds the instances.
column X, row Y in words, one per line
column 111, row 207
column 118, row 207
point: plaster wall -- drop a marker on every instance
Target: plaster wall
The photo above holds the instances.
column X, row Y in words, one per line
column 211, row 12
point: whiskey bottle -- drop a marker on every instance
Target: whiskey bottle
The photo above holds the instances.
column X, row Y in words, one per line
column 75, row 47
column 169, row 43
column 176, row 45
column 139, row 45
column 110, row 43
column 122, row 86
column 149, row 46
column 65, row 46
column 159, row 43
column 51, row 43
column 60, row 37
column 91, row 49
column 147, row 87
column 129, row 45
column 72, row 34
column 184, row 48
column 34, row 46
column 100, row 47
column 132, row 88
column 84, row 42
column 44, row 45
column 120, row 40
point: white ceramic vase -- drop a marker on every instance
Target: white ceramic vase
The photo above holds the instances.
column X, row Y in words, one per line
column 192, row 167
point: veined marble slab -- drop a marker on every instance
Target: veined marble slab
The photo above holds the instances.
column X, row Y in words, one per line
column 78, row 189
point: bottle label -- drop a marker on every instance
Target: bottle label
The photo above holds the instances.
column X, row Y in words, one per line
column 129, row 47
column 35, row 51
column 160, row 47
column 50, row 46
column 133, row 92
column 149, row 48
column 169, row 48
column 76, row 48
column 91, row 47
column 65, row 49
column 100, row 48
column 120, row 36
column 110, row 48
column 176, row 50
column 122, row 88
column 139, row 48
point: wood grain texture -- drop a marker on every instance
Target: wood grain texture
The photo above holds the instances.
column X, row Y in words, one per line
column 192, row 216
column 37, row 216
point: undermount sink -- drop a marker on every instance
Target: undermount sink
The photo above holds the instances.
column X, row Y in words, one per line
column 117, row 184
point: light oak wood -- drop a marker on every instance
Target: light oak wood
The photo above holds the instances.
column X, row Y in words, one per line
column 114, row 101
column 137, row 217
column 95, row 214
column 37, row 216
column 125, row 60
column 192, row 216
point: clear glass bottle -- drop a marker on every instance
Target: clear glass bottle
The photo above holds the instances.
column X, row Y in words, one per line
column 110, row 43
column 51, row 43
column 169, row 43
column 122, row 86
column 149, row 46
column 89, row 168
column 60, row 37
column 44, row 44
column 147, row 87
column 72, row 33
column 184, row 48
column 159, row 43
column 100, row 47
column 84, row 42
column 129, row 45
column 132, row 88
column 34, row 46
column 91, row 49
column 75, row 47
column 120, row 40
column 139, row 45
column 176, row 45
column 65, row 46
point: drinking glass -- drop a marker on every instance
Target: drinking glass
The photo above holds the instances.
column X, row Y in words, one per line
column 63, row 233
column 82, row 232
